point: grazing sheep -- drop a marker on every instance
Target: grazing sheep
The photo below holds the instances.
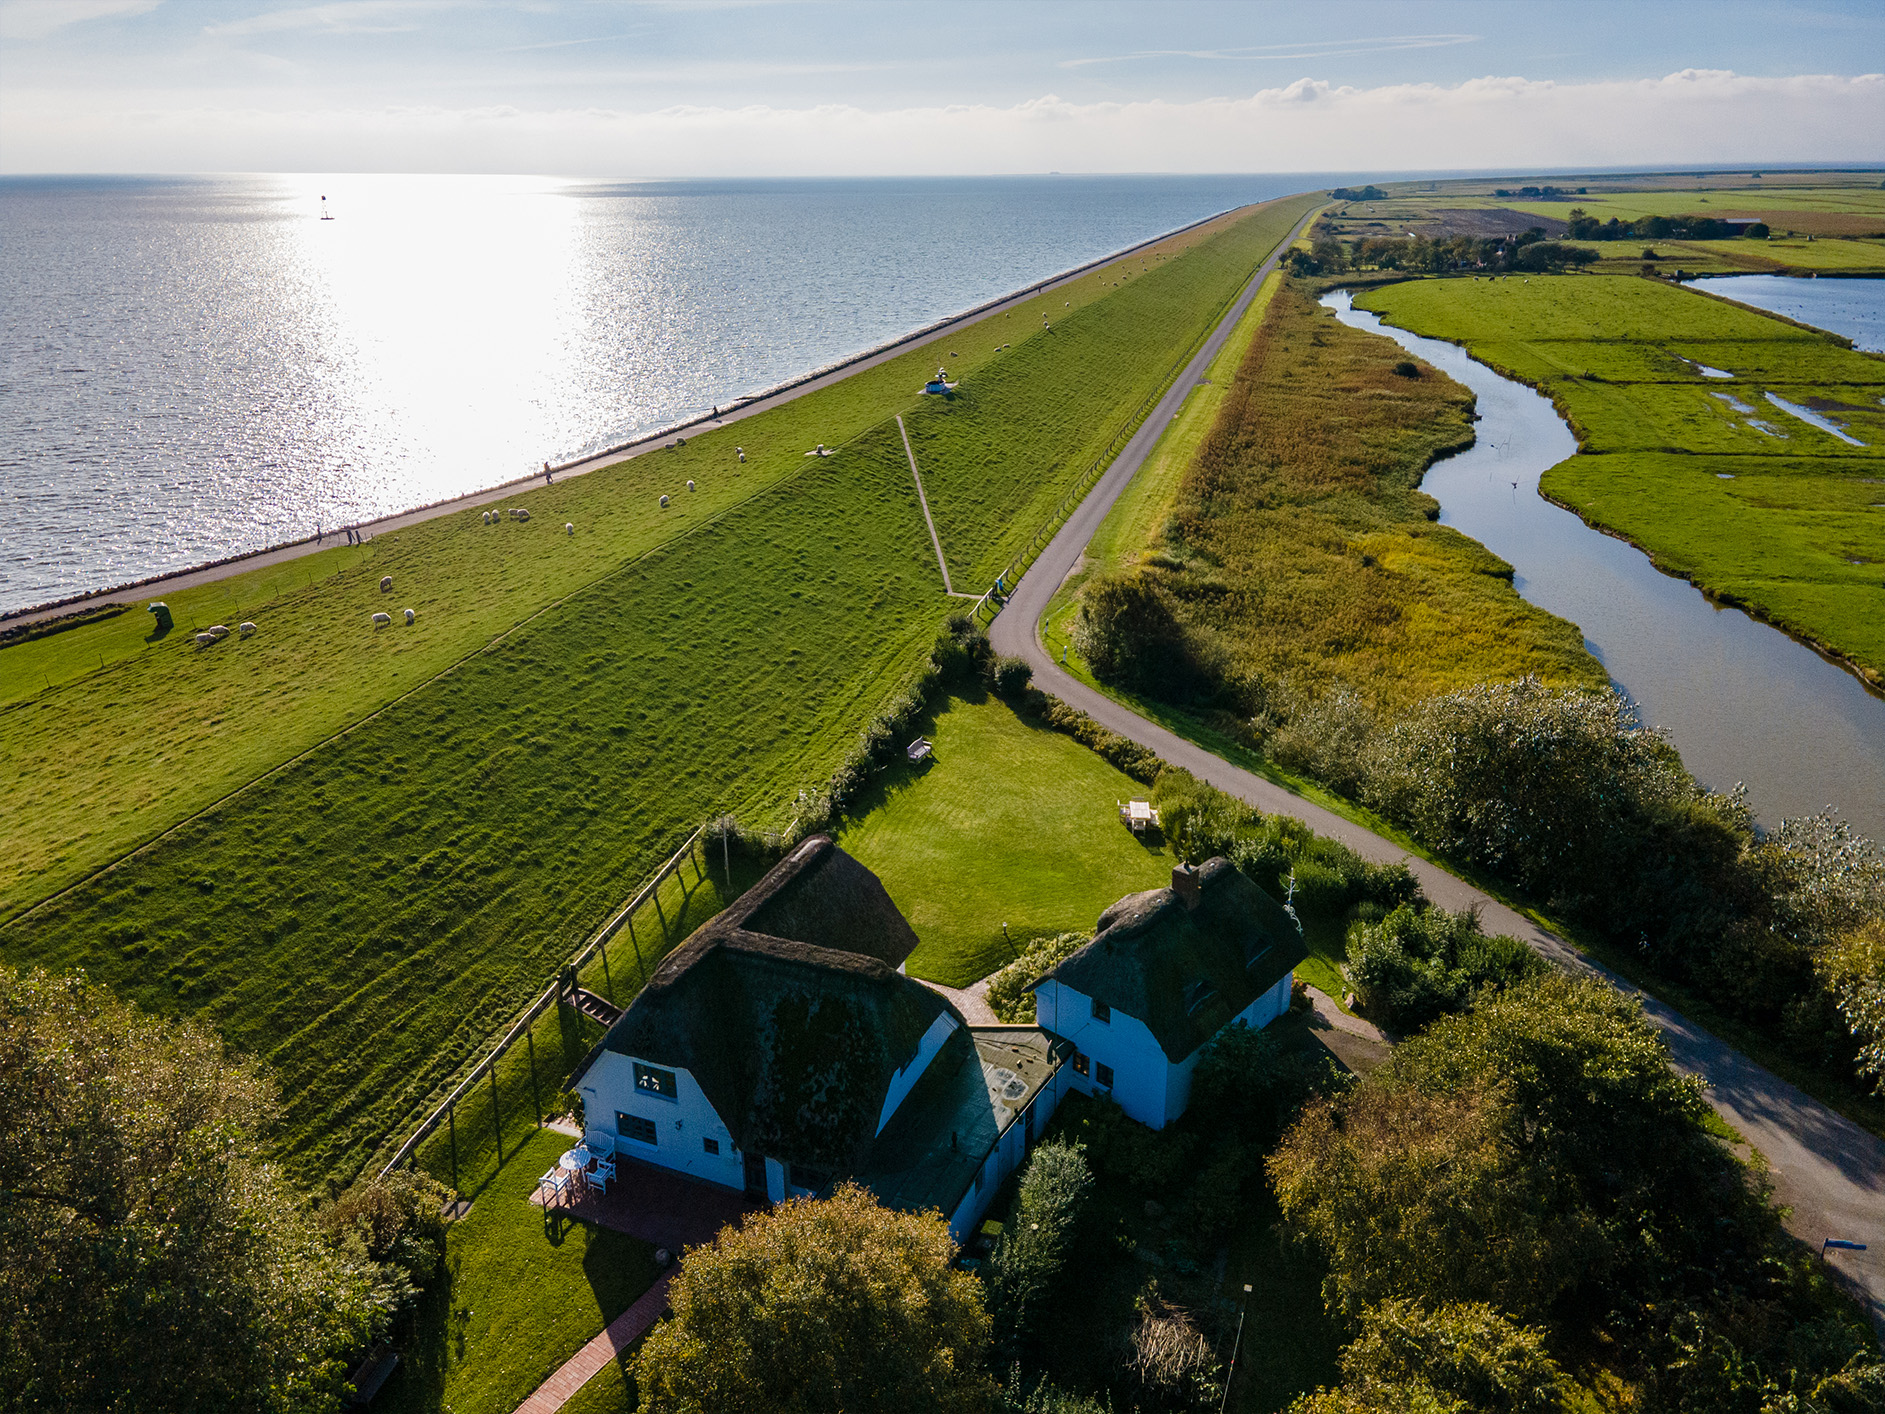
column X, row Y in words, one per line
column 487, row 517
column 519, row 513
column 690, row 486
column 245, row 628
column 386, row 584
column 217, row 631
column 382, row 620
column 409, row 616
column 664, row 502
column 203, row 640
column 742, row 452
column 568, row 528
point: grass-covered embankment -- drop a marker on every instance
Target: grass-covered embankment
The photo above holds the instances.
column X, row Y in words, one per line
column 1756, row 506
column 455, row 815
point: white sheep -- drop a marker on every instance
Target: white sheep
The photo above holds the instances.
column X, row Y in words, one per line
column 742, row 455
column 382, row 620
column 386, row 584
column 569, row 528
column 217, row 631
column 409, row 617
column 519, row 513
column 664, row 502
column 690, row 486
column 487, row 517
column 245, row 628
column 203, row 640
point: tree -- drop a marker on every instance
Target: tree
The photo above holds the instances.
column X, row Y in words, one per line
column 150, row 1258
column 1034, row 1244
column 821, row 1304
column 1420, row 963
column 1853, row 967
column 1458, row 1356
column 1128, row 634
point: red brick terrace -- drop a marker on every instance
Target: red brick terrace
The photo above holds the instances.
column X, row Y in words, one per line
column 659, row 1206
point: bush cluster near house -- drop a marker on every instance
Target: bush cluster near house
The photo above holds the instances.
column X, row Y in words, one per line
column 1529, row 1186
column 365, row 914
column 1416, row 965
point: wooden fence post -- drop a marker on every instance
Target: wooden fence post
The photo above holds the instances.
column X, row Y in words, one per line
column 637, row 942
column 451, row 1124
column 607, row 986
column 497, row 1115
column 536, row 1101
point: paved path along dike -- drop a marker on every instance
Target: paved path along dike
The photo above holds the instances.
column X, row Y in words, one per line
column 1827, row 1169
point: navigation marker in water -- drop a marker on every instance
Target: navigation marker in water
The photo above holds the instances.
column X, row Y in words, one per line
column 325, row 215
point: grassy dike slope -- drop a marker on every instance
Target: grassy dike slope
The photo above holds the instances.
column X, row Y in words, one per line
column 1782, row 519
column 108, row 738
column 365, row 914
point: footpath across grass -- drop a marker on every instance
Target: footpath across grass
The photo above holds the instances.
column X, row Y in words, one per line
column 368, row 915
column 520, row 1297
column 1706, row 474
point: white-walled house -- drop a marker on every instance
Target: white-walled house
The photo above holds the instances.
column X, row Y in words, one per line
column 1166, row 971
column 781, row 1048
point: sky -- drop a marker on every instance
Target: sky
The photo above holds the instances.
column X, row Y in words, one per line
column 652, row 88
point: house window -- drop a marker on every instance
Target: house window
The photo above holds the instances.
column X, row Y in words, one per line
column 811, row 1180
column 712, row 1146
column 650, row 1081
column 1104, row 1074
column 635, row 1127
column 1102, row 1013
column 1079, row 1064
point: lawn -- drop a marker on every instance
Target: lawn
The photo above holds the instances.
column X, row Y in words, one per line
column 1010, row 822
column 1779, row 516
column 520, row 1297
column 358, row 853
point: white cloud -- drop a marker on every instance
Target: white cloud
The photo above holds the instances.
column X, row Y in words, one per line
column 1694, row 116
column 345, row 17
column 35, row 19
column 1288, row 53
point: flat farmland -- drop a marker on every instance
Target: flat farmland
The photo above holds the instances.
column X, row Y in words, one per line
column 1708, row 474
column 357, row 853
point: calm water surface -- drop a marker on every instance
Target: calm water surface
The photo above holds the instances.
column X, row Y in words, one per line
column 1854, row 308
column 194, row 367
column 1740, row 700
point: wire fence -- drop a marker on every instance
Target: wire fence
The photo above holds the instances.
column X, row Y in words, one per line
column 506, row 1094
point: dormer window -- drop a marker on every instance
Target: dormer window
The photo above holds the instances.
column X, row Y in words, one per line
column 650, row 1081
column 1102, row 1013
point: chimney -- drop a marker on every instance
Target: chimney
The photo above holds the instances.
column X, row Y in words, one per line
column 1185, row 884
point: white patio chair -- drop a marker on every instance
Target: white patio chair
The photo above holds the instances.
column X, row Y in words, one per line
column 598, row 1141
column 557, row 1184
column 601, row 1175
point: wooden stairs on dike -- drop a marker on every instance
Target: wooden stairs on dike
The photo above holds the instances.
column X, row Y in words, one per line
column 597, row 1009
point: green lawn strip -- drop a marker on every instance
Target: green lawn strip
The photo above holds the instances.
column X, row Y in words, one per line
column 1773, row 523
column 368, row 917
column 520, row 1296
column 104, row 757
column 1008, row 823
column 610, row 1391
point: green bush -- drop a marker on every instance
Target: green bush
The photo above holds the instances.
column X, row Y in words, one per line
column 1035, row 1242
column 1462, row 1355
column 1008, row 994
column 1008, row 676
column 1418, row 964
column 1129, row 636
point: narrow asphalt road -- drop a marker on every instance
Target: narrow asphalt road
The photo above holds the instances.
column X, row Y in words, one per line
column 1828, row 1170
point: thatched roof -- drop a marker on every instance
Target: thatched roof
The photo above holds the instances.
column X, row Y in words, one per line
column 1186, row 972
column 788, row 1009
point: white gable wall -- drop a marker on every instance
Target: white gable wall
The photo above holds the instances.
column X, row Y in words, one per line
column 681, row 1124
column 902, row 1082
column 1147, row 1085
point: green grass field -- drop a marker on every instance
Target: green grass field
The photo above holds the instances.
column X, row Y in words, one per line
column 357, row 853
column 1781, row 517
column 1012, row 822
column 1009, row 823
column 519, row 1297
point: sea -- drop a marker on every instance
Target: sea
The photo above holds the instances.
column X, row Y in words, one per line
column 193, row 367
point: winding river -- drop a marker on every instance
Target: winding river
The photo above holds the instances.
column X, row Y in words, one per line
column 1739, row 699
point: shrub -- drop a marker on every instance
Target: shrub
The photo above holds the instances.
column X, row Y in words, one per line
column 1407, row 368
column 1463, row 1355
column 1141, row 763
column 1419, row 964
column 1008, row 994
column 1035, row 1242
column 1007, row 675
column 1129, row 636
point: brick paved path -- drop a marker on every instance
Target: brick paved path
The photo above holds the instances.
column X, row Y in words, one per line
column 586, row 1363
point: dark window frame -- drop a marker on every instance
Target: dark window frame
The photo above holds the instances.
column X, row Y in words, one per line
column 1080, row 1066
column 632, row 1127
column 711, row 1146
column 1102, row 1013
column 1103, row 1076
column 666, row 1085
